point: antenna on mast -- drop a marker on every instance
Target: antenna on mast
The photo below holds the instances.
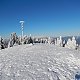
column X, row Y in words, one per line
column 22, row 28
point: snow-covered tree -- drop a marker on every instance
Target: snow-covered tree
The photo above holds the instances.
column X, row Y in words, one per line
column 74, row 42
column 25, row 39
column 9, row 43
column 30, row 41
column 50, row 40
column 19, row 38
column 13, row 40
column 1, row 43
column 71, row 43
column 55, row 42
column 64, row 42
column 58, row 41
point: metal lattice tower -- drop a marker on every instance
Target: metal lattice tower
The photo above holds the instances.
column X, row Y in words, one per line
column 22, row 27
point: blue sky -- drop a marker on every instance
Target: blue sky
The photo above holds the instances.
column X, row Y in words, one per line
column 42, row 17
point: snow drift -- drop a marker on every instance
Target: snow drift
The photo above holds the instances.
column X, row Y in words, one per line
column 38, row 62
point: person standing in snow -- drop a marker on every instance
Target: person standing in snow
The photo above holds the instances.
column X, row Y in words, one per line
column 77, row 76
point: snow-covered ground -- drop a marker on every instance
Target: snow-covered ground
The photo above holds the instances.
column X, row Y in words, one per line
column 39, row 62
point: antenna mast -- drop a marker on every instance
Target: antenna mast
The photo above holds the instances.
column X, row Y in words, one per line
column 22, row 28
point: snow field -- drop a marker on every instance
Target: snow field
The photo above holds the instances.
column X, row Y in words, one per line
column 38, row 62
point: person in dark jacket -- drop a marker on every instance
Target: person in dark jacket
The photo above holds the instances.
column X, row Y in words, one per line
column 77, row 76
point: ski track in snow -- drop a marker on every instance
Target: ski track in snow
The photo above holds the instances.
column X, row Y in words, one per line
column 38, row 62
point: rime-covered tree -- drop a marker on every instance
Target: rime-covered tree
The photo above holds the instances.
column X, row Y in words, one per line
column 71, row 43
column 1, row 43
column 50, row 40
column 30, row 40
column 13, row 39
column 58, row 41
column 64, row 43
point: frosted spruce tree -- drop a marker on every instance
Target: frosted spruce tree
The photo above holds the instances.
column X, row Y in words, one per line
column 49, row 40
column 9, row 43
column 58, row 42
column 55, row 42
column 64, row 42
column 24, row 39
column 71, row 44
column 0, row 42
column 74, row 43
column 13, row 40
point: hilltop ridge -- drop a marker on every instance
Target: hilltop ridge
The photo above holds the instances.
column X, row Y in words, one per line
column 38, row 62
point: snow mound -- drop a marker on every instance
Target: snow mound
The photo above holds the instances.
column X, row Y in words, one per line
column 38, row 62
